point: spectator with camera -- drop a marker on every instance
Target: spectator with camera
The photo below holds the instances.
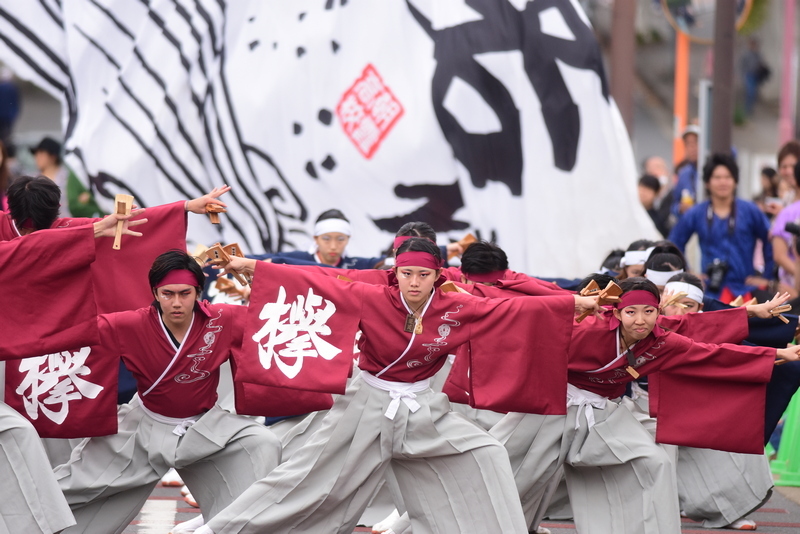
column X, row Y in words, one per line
column 727, row 228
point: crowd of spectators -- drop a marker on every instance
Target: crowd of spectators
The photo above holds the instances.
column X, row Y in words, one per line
column 747, row 247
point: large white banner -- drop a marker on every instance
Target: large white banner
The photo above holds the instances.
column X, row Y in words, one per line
column 489, row 116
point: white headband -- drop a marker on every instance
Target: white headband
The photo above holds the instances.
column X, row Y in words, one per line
column 635, row 257
column 660, row 278
column 692, row 292
column 327, row 226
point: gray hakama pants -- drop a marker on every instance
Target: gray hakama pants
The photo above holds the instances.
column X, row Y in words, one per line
column 454, row 477
column 718, row 487
column 59, row 450
column 30, row 499
column 715, row 487
column 619, row 480
column 108, row 479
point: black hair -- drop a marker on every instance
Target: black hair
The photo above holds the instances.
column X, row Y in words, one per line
column 663, row 262
column 483, row 257
column 668, row 247
column 640, row 244
column 650, row 182
column 417, row 229
column 613, row 259
column 35, row 199
column 332, row 214
column 601, row 279
column 724, row 160
column 172, row 260
column 637, row 283
column 420, row 244
column 688, row 278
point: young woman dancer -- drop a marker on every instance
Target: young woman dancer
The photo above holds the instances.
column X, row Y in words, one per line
column 453, row 476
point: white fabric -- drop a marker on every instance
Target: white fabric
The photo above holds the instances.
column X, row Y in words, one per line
column 585, row 401
column 638, row 392
column 692, row 292
column 398, row 391
column 190, row 526
column 660, row 278
column 181, row 424
column 327, row 226
column 113, row 80
column 635, row 257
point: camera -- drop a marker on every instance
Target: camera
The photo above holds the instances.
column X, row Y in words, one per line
column 716, row 274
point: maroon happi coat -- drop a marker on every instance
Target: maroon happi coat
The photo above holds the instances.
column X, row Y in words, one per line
column 708, row 396
column 511, row 281
column 301, row 328
column 119, row 281
column 48, row 302
column 120, row 276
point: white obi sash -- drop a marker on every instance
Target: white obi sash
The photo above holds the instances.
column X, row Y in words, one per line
column 181, row 424
column 585, row 401
column 404, row 391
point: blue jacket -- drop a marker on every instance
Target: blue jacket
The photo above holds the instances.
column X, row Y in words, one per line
column 300, row 257
column 734, row 245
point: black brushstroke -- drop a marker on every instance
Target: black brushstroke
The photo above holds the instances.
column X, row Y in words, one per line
column 325, row 116
column 328, row 163
column 297, row 128
column 498, row 156
column 97, row 47
column 101, row 180
column 301, row 16
column 32, row 37
column 443, row 202
column 335, row 46
column 53, row 15
column 254, row 44
column 311, row 170
column 113, row 19
column 301, row 51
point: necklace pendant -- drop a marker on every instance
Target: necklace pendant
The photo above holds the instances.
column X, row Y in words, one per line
column 410, row 323
column 418, row 327
column 631, row 371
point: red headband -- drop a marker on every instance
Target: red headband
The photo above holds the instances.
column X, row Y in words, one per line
column 634, row 298
column 486, row 278
column 178, row 276
column 637, row 297
column 417, row 259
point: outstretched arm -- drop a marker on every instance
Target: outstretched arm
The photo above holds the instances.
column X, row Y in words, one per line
column 198, row 205
column 789, row 354
column 237, row 264
column 764, row 309
column 105, row 227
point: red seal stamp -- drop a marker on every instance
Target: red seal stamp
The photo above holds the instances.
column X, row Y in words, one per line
column 368, row 110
